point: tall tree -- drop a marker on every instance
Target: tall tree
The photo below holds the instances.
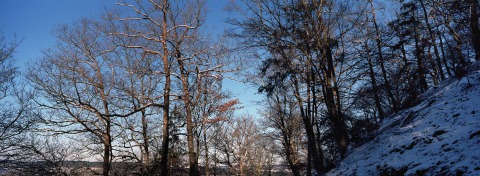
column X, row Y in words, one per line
column 241, row 148
column 282, row 115
column 155, row 22
column 475, row 27
column 437, row 70
column 172, row 30
column 307, row 32
column 78, row 82
column 17, row 111
column 379, row 48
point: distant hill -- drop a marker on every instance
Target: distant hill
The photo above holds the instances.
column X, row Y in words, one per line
column 439, row 136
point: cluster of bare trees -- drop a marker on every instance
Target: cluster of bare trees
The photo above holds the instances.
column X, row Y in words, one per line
column 338, row 67
column 121, row 81
column 141, row 86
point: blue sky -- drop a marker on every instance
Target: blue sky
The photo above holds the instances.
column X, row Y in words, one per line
column 32, row 21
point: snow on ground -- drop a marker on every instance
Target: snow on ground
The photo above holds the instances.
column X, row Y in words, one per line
column 439, row 136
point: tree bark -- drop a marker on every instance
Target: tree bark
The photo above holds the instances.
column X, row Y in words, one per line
column 376, row 98
column 475, row 29
column 442, row 49
column 192, row 155
column 166, row 95
column 207, row 159
column 145, row 154
column 420, row 64
column 332, row 99
column 106, row 153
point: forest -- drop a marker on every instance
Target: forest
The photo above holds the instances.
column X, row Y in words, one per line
column 139, row 89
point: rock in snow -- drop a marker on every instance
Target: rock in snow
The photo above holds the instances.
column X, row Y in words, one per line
column 439, row 136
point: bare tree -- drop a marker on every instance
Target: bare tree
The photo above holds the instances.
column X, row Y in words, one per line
column 172, row 31
column 7, row 70
column 159, row 24
column 9, row 126
column 305, row 43
column 17, row 114
column 24, row 150
column 282, row 115
column 140, row 85
column 212, row 110
column 77, row 82
column 242, row 147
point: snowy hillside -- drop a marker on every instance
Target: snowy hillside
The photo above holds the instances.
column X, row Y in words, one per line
column 439, row 136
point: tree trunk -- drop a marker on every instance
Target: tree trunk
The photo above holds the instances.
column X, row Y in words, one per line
column 375, row 90
column 332, row 99
column 420, row 65
column 192, row 155
column 290, row 155
column 311, row 144
column 378, row 40
column 442, row 49
column 459, row 60
column 475, row 28
column 207, row 161
column 166, row 95
column 437, row 67
column 373, row 80
column 145, row 154
column 287, row 132
column 166, row 133
column 309, row 162
column 106, row 152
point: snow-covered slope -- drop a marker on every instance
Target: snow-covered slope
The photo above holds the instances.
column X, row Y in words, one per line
column 439, row 136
